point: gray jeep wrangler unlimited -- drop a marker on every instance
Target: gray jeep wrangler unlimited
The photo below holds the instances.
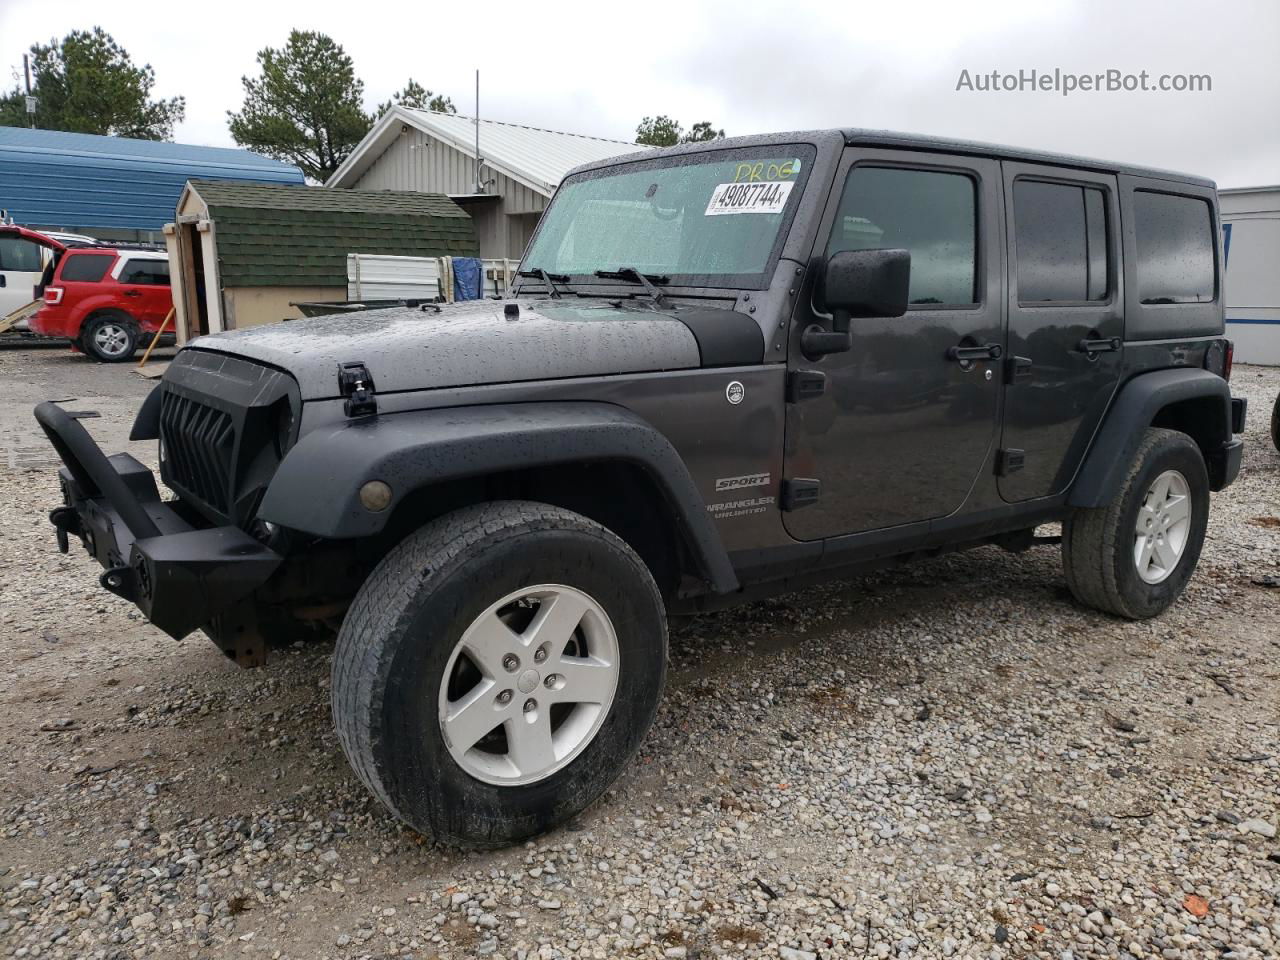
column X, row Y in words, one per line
column 725, row 369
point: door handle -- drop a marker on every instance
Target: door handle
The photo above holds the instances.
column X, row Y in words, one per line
column 133, row 293
column 987, row 351
column 1091, row 347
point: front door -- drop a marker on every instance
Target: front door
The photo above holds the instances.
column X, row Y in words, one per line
column 1066, row 323
column 906, row 419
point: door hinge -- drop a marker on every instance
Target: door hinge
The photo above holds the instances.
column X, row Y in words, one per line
column 1017, row 369
column 356, row 384
column 805, row 385
column 1010, row 461
column 799, row 492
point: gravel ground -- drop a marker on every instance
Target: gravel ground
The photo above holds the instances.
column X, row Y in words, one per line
column 948, row 760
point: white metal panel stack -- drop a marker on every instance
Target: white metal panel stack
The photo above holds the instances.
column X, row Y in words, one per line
column 378, row 277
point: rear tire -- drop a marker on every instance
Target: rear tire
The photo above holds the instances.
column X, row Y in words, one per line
column 1275, row 424
column 429, row 637
column 1113, row 566
column 109, row 337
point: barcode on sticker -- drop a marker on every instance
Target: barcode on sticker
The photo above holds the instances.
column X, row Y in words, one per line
column 767, row 196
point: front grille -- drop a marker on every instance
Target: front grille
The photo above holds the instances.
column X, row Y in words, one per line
column 199, row 444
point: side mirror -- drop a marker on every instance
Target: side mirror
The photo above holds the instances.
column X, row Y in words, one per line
column 867, row 283
column 858, row 283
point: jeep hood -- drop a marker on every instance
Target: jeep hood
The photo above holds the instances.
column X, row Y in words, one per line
column 475, row 343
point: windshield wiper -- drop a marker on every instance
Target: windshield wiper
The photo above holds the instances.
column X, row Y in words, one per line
column 646, row 280
column 550, row 279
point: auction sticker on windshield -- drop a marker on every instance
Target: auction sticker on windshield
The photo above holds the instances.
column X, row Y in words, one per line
column 767, row 196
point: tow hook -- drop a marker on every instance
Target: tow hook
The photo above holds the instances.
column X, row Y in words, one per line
column 66, row 522
column 121, row 582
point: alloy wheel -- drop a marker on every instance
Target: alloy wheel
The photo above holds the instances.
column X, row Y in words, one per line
column 111, row 339
column 529, row 684
column 1163, row 527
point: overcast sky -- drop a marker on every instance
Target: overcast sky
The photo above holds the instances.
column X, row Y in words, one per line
column 749, row 67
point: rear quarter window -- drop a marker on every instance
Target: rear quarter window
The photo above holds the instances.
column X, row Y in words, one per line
column 146, row 272
column 1175, row 248
column 85, row 267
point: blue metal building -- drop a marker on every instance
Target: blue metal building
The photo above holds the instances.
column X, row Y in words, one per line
column 112, row 187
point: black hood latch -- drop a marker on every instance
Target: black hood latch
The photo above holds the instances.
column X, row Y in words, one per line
column 356, row 384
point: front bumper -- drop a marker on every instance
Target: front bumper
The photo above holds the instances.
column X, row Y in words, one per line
column 180, row 576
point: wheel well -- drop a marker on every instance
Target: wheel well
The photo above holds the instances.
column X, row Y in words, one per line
column 616, row 494
column 1200, row 418
column 113, row 312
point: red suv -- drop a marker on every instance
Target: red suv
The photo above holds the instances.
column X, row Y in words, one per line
column 104, row 299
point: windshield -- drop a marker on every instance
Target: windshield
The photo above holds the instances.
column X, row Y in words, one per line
column 707, row 219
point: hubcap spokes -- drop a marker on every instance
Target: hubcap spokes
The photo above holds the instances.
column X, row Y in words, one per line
column 529, row 684
column 110, row 339
column 1163, row 527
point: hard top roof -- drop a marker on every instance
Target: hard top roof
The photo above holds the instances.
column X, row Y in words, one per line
column 854, row 136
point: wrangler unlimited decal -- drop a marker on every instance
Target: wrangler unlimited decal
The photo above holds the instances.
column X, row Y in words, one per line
column 738, row 508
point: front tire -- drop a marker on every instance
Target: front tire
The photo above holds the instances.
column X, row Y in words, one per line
column 110, row 337
column 497, row 671
column 1133, row 557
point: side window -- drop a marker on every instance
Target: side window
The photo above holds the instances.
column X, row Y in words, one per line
column 147, row 272
column 85, row 267
column 932, row 214
column 1175, row 248
column 1060, row 239
column 20, row 255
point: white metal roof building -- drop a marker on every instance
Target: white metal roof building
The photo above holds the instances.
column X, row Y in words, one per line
column 436, row 153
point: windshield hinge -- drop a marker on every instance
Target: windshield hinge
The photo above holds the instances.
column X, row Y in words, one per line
column 356, row 384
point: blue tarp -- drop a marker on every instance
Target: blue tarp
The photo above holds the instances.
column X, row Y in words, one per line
column 467, row 273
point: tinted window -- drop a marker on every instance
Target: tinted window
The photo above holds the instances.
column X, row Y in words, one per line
column 19, row 254
column 933, row 215
column 1060, row 236
column 1095, row 220
column 151, row 272
column 85, row 267
column 1175, row 248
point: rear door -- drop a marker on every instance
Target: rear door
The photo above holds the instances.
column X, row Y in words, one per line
column 1066, row 323
column 144, row 283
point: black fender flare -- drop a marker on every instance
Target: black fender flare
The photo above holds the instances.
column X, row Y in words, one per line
column 316, row 489
column 1134, row 409
column 146, row 425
